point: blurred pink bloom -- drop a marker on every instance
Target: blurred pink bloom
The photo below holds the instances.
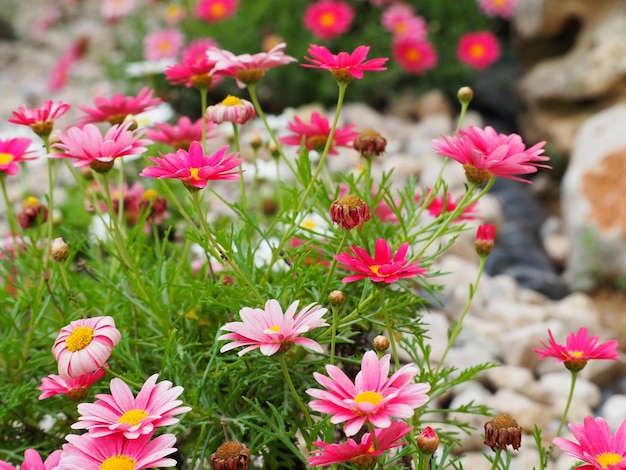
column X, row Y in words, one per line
column 501, row 8
column 60, row 73
column 116, row 452
column 115, row 10
column 33, row 461
column 327, row 19
column 51, row 16
column 384, row 267
column 270, row 330
column 400, row 20
column 195, row 68
column 40, row 120
column 446, row 204
column 247, row 69
column 173, row 14
column 194, row 168
column 75, row 389
column 368, row 446
column 316, row 134
column 116, row 109
column 596, row 446
column 231, row 109
column 12, row 152
column 372, row 398
column 344, row 65
column 213, row 11
column 163, row 44
column 478, row 49
column 181, row 134
column 414, row 55
column 85, row 345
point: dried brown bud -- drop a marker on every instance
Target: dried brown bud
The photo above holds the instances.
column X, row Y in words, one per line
column 59, row 250
column 381, row 343
column 336, row 298
column 349, row 212
column 503, row 431
column 33, row 213
column 231, row 456
column 370, row 142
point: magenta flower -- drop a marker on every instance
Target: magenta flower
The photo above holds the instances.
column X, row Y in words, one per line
column 85, row 345
column 596, row 446
column 478, row 49
column 316, row 134
column 75, row 389
column 33, row 461
column 116, row 109
column 12, row 152
column 271, row 330
column 368, row 448
column 578, row 349
column 40, row 120
column 344, row 66
column 327, row 19
column 414, row 54
column 180, row 135
column 384, row 267
column 501, row 8
column 194, row 168
column 89, row 148
column 231, row 109
column 86, row 452
column 120, row 412
column 214, row 11
column 372, row 398
column 247, row 69
column 447, row 203
column 195, row 68
column 485, row 154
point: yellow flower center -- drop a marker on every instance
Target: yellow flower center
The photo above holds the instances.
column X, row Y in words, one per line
column 499, row 3
column 308, row 224
column 413, row 55
column 609, row 458
column 231, row 100
column 164, row 47
column 374, row 268
column 132, row 417
column 30, row 202
column 576, row 354
column 6, row 158
column 119, row 462
column 218, row 9
column 317, row 142
column 275, row 328
column 149, row 195
column 327, row 19
column 193, row 173
column 401, row 27
column 79, row 339
column 477, row 50
column 368, row 397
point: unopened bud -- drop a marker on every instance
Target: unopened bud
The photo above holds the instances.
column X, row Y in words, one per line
column 428, row 440
column 381, row 343
column 485, row 239
column 273, row 149
column 336, row 298
column 59, row 250
column 256, row 141
column 465, row 95
column 231, row 456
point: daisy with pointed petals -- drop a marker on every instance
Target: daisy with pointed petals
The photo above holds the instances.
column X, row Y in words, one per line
column 181, row 134
column 367, row 449
column 384, row 267
column 478, row 49
column 12, row 152
column 195, row 68
column 400, row 20
column 40, row 120
column 485, row 154
column 114, row 452
column 373, row 397
column 33, row 461
column 75, row 389
column 213, row 11
column 448, row 203
column 414, row 54
column 85, row 345
column 344, row 66
column 327, row 19
column 596, row 446
column 194, row 168
column 316, row 134
column 501, row 8
column 270, row 330
column 118, row 107
column 163, row 44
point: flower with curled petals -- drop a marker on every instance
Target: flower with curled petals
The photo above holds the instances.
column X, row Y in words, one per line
column 327, row 19
column 118, row 107
column 231, row 109
column 74, row 389
column 40, row 120
column 344, row 66
column 270, row 330
column 373, row 398
column 316, row 134
column 12, row 152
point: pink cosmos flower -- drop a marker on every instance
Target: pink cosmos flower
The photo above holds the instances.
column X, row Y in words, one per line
column 485, row 154
column 316, row 134
column 400, row 20
column 384, row 267
column 372, row 398
column 40, row 120
column 114, row 10
column 578, row 349
column 121, row 412
column 344, row 66
column 195, row 68
column 163, row 44
column 180, row 135
column 414, row 55
column 448, row 203
column 213, row 11
column 596, row 446
column 119, row 107
column 85, row 345
column 247, row 69
column 33, row 461
column 270, row 330
column 501, row 8
column 194, row 168
column 327, row 19
column 368, row 447
column 12, row 152
column 86, row 452
column 231, row 109
column 89, row 148
column 478, row 49
column 75, row 389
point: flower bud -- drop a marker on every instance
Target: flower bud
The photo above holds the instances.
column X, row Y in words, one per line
column 255, row 141
column 503, row 431
column 381, row 343
column 59, row 250
column 273, row 149
column 485, row 236
column 369, row 142
column 428, row 440
column 465, row 95
column 231, row 456
column 349, row 212
column 336, row 298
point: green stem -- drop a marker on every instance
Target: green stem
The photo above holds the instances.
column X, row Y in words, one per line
column 296, row 397
column 389, row 324
column 120, row 201
column 51, row 162
column 204, row 91
column 461, row 119
column 130, row 382
column 570, row 396
column 244, row 203
column 496, row 459
column 7, row 202
column 333, row 333
column 333, row 265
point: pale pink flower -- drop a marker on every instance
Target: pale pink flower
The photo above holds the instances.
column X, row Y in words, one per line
column 231, row 109
column 163, row 44
column 373, row 397
column 115, row 10
column 181, row 134
column 270, row 330
column 195, row 68
column 327, row 19
column 316, row 134
column 116, row 109
column 12, row 152
column 173, row 14
column 213, row 11
column 85, row 345
column 40, row 120
column 75, row 389
column 60, row 73
column 478, row 49
column 501, row 8
column 33, row 461
column 414, row 55
column 400, row 20
column 344, row 66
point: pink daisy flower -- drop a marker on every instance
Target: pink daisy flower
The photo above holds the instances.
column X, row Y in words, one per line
column 478, row 50
column 119, row 107
column 163, row 44
column 75, row 389
column 596, row 446
column 12, row 152
column 121, row 412
column 90, row 148
column 33, row 461
column 213, row 11
column 114, row 10
column 369, row 447
column 384, row 267
column 85, row 345
column 400, row 20
column 344, row 66
column 485, row 154
column 448, row 203
column 40, row 120
column 413, row 54
column 86, row 452
column 180, row 135
column 578, row 349
column 231, row 109
column 194, row 168
column 316, row 134
column 501, row 8
column 247, row 69
column 373, row 397
column 195, row 68
column 327, row 19
column 270, row 330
